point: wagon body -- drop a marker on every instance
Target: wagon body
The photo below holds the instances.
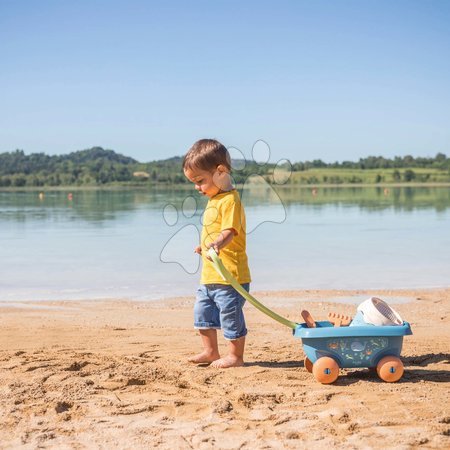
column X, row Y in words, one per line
column 354, row 346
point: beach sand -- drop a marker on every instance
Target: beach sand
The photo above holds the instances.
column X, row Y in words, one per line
column 113, row 374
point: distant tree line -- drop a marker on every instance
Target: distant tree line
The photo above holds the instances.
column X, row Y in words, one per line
column 97, row 166
column 440, row 161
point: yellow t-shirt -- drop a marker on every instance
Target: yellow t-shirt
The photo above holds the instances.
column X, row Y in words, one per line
column 225, row 211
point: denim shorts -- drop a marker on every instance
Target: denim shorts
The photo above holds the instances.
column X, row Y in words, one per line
column 220, row 306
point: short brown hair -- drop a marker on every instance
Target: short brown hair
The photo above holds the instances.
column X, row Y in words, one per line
column 207, row 154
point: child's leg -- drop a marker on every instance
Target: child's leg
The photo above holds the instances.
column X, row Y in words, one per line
column 235, row 357
column 206, row 320
column 210, row 351
column 233, row 324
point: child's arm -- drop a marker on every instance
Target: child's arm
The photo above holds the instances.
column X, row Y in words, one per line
column 224, row 238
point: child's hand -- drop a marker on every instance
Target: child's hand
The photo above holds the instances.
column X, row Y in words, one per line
column 198, row 249
column 225, row 237
column 215, row 246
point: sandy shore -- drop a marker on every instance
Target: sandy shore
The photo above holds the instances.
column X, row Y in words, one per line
column 99, row 374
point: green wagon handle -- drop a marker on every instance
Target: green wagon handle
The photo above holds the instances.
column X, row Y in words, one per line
column 226, row 275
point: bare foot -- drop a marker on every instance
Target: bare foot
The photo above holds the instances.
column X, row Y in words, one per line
column 228, row 361
column 204, row 357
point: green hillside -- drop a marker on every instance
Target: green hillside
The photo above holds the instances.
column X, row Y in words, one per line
column 100, row 167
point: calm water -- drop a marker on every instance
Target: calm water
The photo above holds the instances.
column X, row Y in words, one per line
column 109, row 244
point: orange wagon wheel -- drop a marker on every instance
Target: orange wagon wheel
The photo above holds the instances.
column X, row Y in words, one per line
column 308, row 364
column 390, row 369
column 325, row 370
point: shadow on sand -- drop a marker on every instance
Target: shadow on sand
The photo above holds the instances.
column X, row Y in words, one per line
column 411, row 375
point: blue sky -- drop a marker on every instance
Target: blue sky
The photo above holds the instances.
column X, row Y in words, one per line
column 334, row 80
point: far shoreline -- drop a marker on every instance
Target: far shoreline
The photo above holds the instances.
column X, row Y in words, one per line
column 188, row 187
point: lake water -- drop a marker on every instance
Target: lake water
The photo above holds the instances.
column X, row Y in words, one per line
column 109, row 244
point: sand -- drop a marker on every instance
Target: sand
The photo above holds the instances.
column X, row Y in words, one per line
column 113, row 374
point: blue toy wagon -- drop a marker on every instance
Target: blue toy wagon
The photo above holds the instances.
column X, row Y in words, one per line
column 329, row 348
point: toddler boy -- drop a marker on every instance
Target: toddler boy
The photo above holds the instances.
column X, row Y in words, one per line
column 218, row 305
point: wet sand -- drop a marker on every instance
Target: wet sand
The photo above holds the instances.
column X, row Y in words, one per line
column 99, row 374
